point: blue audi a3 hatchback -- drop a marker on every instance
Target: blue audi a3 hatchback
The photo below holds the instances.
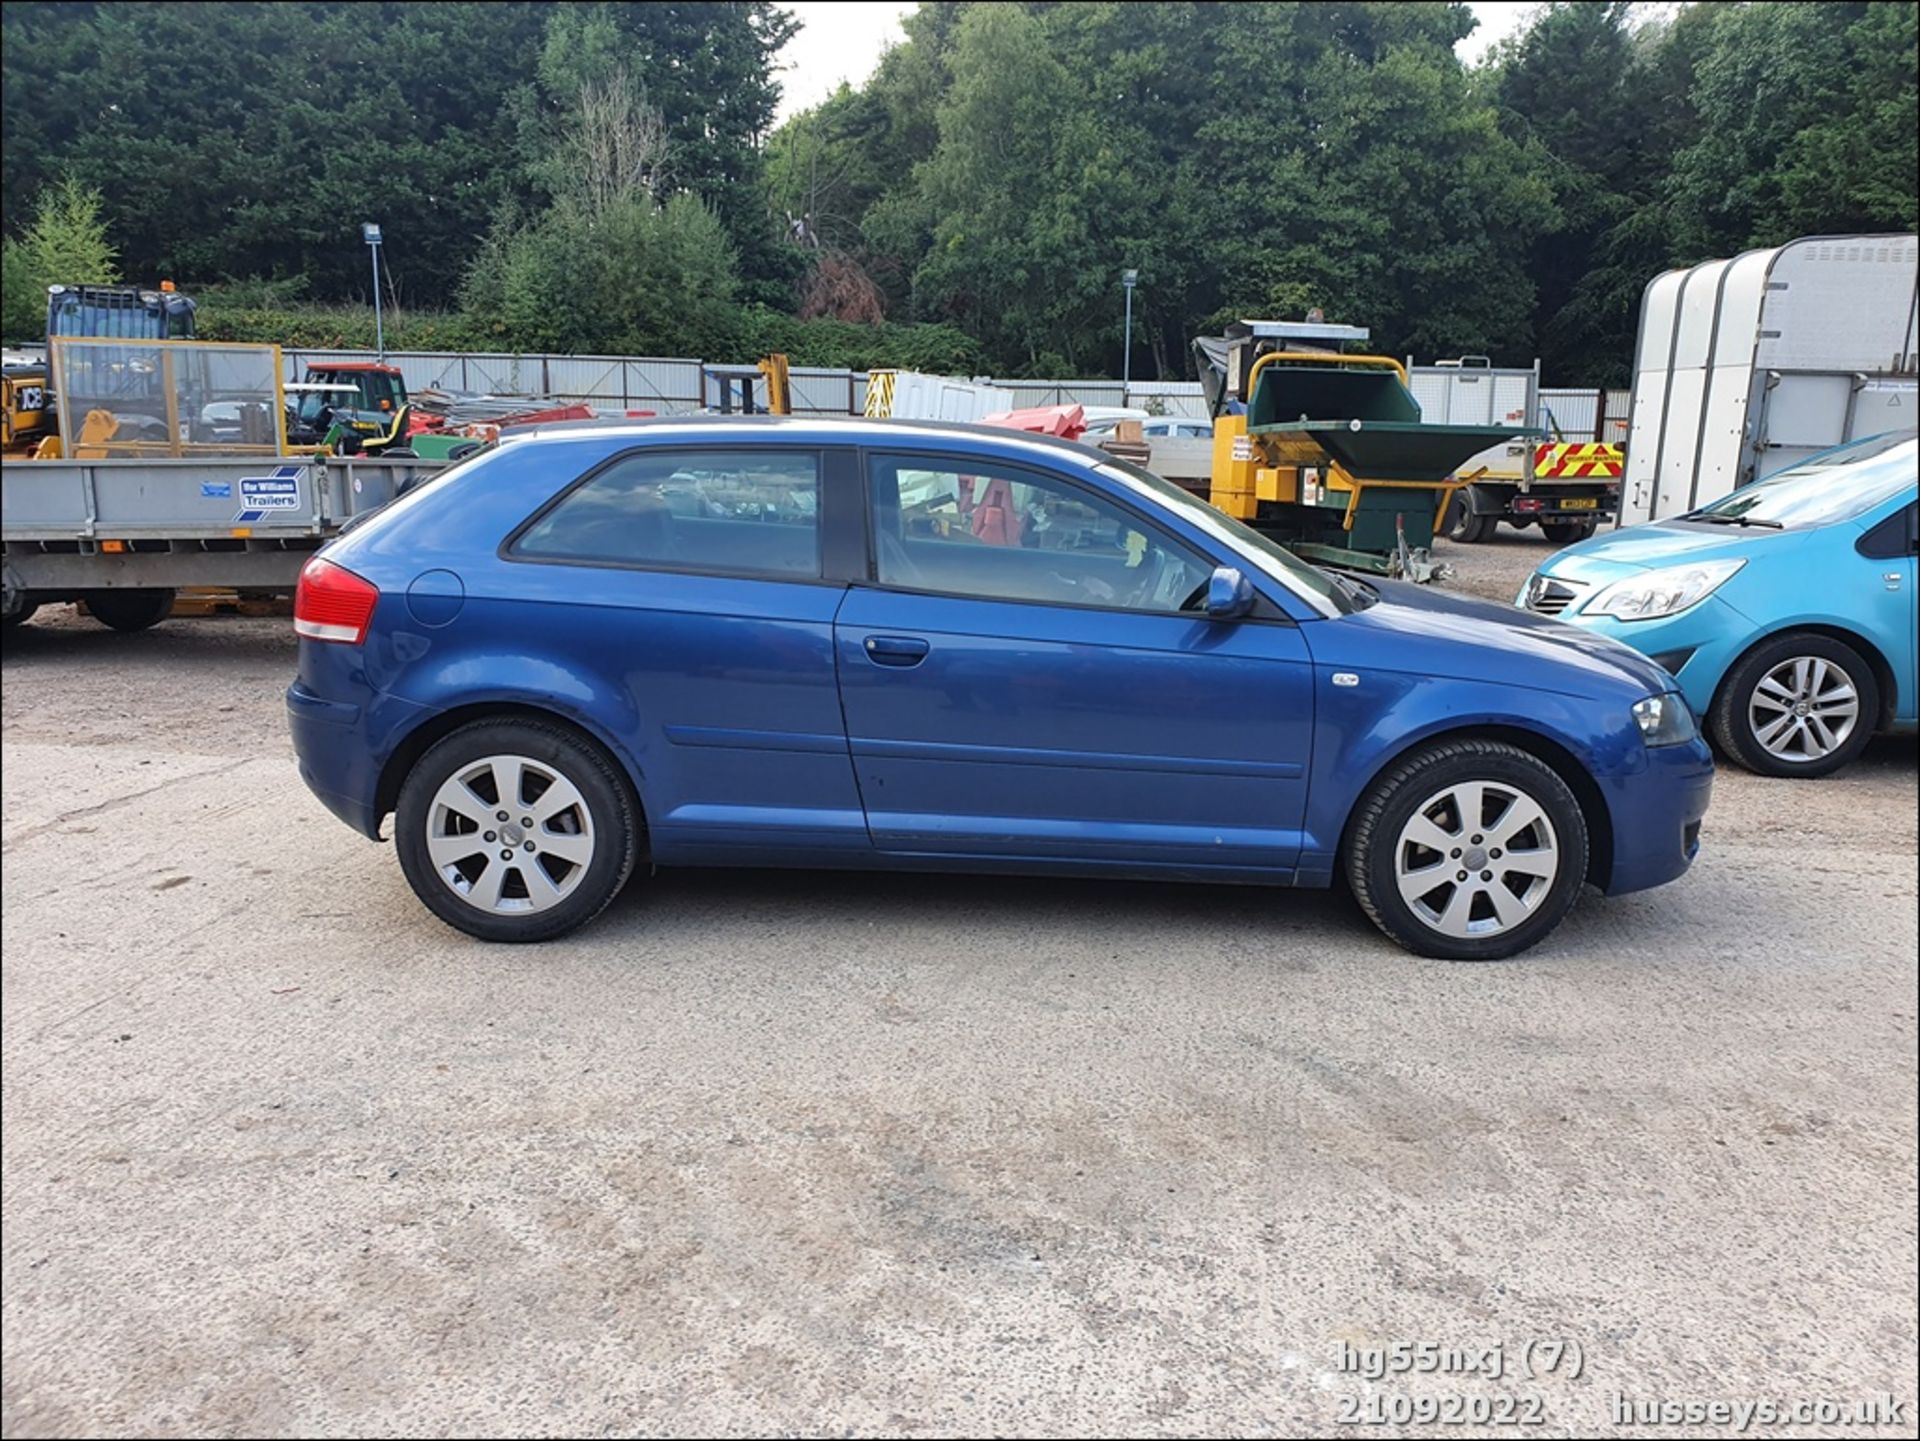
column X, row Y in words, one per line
column 760, row 642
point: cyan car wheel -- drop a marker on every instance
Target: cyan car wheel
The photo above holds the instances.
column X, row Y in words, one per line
column 1797, row 705
column 515, row 831
column 1470, row 850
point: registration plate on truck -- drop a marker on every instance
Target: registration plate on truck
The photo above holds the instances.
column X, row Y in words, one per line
column 1580, row 503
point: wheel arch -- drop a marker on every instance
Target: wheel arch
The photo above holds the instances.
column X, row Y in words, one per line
column 1883, row 673
column 418, row 741
column 1556, row 757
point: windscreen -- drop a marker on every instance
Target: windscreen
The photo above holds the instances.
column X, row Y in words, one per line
column 1837, row 485
column 108, row 313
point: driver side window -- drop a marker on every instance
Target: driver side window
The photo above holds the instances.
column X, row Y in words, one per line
column 999, row 533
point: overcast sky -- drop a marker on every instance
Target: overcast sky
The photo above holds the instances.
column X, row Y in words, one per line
column 839, row 40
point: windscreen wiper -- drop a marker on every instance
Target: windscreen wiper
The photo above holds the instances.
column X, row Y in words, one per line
column 1361, row 594
column 1717, row 517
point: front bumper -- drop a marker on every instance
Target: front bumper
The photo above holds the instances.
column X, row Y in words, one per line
column 1695, row 647
column 1657, row 814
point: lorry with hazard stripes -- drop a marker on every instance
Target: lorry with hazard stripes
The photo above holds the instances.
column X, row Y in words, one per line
column 1567, row 483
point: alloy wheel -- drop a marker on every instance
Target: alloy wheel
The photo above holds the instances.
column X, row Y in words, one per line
column 1803, row 709
column 509, row 834
column 1476, row 859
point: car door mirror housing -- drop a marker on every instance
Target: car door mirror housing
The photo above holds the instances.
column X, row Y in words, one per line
column 1229, row 594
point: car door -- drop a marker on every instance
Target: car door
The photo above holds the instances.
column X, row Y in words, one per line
column 703, row 581
column 1020, row 679
column 1887, row 548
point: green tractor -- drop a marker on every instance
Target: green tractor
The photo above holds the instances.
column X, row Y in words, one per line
column 349, row 407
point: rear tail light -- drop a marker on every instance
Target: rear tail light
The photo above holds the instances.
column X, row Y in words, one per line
column 332, row 603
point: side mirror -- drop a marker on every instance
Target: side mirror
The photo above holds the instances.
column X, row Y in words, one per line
column 1229, row 596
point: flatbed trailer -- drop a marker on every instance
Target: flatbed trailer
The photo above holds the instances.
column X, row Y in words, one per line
column 126, row 534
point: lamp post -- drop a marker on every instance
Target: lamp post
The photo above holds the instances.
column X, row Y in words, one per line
column 371, row 234
column 1128, row 278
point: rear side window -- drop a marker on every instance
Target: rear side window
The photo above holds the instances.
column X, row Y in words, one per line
column 1892, row 537
column 728, row 512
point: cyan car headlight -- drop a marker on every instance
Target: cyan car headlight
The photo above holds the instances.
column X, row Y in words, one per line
column 1664, row 720
column 1660, row 593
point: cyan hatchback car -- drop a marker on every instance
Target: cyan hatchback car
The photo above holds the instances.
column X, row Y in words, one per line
column 718, row 641
column 1784, row 611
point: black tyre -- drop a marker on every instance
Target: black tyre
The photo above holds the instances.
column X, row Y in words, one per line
column 130, row 610
column 1464, row 526
column 571, row 832
column 1446, row 882
column 18, row 607
column 1798, row 704
column 1566, row 532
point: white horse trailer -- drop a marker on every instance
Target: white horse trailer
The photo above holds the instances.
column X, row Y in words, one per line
column 1745, row 366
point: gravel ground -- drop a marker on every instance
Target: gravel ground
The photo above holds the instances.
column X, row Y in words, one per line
column 821, row 1153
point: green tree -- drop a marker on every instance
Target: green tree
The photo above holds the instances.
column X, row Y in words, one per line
column 1362, row 171
column 608, row 267
column 67, row 241
column 251, row 139
column 65, row 245
column 1012, row 195
column 22, row 315
column 708, row 69
column 1807, row 122
column 1569, row 88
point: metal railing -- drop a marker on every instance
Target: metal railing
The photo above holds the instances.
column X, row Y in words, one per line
column 675, row 385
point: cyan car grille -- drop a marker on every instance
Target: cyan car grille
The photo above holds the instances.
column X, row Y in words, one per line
column 1549, row 596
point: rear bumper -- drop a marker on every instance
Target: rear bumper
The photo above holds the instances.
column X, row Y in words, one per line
column 1657, row 816
column 332, row 741
column 1563, row 507
column 1546, row 500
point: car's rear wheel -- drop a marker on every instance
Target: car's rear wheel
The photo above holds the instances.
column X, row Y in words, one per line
column 1797, row 705
column 1470, row 850
column 130, row 609
column 515, row 830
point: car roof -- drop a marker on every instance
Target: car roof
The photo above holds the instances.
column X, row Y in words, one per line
column 821, row 430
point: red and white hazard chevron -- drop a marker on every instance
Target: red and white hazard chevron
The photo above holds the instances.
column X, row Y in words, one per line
column 1578, row 460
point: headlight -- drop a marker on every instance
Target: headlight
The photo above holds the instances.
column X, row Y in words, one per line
column 1664, row 720
column 1661, row 593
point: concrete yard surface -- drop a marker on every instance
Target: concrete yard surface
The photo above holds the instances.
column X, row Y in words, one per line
column 784, row 1152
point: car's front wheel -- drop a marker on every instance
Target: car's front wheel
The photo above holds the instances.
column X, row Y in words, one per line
column 1469, row 850
column 515, row 830
column 1797, row 705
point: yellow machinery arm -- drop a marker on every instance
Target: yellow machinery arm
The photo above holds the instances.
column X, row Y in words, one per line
column 779, row 385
